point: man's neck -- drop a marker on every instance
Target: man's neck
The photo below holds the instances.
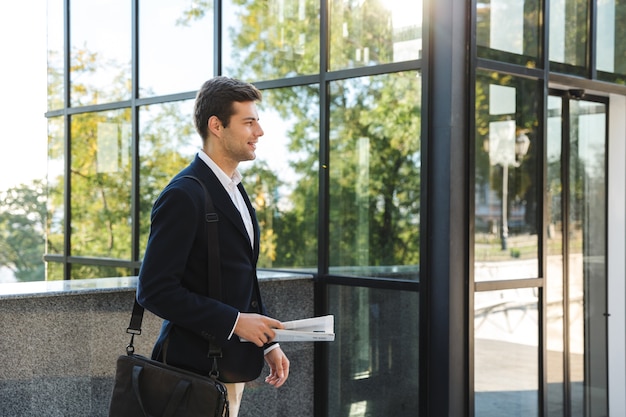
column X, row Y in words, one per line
column 225, row 164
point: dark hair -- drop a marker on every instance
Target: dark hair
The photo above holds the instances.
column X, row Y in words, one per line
column 216, row 98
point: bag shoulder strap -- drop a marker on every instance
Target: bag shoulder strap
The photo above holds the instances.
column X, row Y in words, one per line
column 214, row 274
column 211, row 219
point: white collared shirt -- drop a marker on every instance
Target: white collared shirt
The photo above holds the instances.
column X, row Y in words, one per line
column 230, row 185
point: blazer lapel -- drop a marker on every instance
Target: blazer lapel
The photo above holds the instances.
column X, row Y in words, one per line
column 222, row 200
column 255, row 223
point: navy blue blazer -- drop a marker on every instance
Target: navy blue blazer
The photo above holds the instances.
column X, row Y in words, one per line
column 173, row 277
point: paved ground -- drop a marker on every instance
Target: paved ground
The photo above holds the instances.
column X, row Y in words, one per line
column 506, row 381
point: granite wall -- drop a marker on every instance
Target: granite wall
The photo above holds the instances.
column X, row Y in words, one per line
column 58, row 351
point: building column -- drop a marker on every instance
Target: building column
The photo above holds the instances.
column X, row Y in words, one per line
column 444, row 277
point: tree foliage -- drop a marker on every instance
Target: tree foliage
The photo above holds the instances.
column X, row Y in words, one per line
column 376, row 225
column 374, row 196
column 22, row 225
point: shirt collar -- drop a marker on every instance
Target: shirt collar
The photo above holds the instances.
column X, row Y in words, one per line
column 227, row 182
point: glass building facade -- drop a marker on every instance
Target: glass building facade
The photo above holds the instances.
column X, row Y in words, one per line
column 441, row 167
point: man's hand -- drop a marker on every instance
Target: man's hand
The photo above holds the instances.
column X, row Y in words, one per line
column 279, row 367
column 257, row 328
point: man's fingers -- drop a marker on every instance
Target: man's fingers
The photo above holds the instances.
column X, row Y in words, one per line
column 274, row 324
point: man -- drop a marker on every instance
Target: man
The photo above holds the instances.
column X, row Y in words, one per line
column 173, row 280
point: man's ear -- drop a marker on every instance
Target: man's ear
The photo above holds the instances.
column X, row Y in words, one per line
column 215, row 125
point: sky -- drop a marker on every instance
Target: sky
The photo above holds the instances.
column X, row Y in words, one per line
column 23, row 131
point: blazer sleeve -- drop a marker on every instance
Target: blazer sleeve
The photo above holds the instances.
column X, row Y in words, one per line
column 171, row 261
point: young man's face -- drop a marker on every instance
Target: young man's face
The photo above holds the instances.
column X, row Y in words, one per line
column 239, row 139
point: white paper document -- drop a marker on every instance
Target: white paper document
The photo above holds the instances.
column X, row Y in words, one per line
column 316, row 329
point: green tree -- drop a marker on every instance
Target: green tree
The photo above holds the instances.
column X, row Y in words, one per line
column 101, row 171
column 384, row 109
column 22, row 225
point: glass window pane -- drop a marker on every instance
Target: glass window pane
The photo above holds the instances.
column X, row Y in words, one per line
column 373, row 362
column 170, row 59
column 375, row 176
column 95, row 271
column 168, row 142
column 55, row 55
column 554, row 291
column 554, row 181
column 611, row 50
column 366, row 33
column 101, row 185
column 506, row 353
column 507, row 191
column 508, row 30
column 568, row 34
column 587, row 269
column 55, row 271
column 101, row 51
column 576, row 285
column 265, row 40
column 283, row 180
column 56, row 186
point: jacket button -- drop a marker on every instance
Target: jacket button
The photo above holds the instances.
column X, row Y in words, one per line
column 254, row 304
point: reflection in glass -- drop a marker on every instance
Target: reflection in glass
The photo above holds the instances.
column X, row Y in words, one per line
column 55, row 271
column 101, row 185
column 568, row 32
column 168, row 142
column 55, row 54
column 507, row 186
column 587, row 235
column 56, row 183
column 555, row 186
column 265, row 40
column 554, row 291
column 375, row 176
column 508, row 30
column 100, row 55
column 373, row 362
column 283, row 180
column 611, row 30
column 576, row 360
column 170, row 59
column 90, row 271
column 506, row 353
column 373, row 33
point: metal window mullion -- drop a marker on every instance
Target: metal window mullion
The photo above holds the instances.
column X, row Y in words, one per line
column 592, row 36
column 324, row 145
column 473, row 66
column 67, row 120
column 134, row 117
column 321, row 352
column 543, row 221
column 565, row 199
column 217, row 37
column 543, row 248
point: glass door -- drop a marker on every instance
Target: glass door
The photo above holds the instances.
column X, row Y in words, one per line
column 576, row 273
